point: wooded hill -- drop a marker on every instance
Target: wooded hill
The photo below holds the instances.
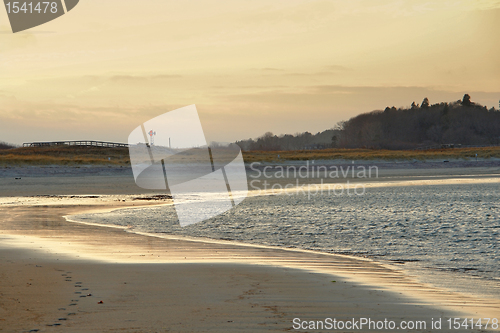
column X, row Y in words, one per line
column 459, row 123
column 299, row 141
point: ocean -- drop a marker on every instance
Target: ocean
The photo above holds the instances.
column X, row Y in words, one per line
column 446, row 235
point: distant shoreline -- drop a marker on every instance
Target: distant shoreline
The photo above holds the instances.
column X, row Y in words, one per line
column 89, row 156
column 21, row 180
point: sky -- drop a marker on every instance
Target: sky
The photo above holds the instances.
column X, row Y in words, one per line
column 251, row 67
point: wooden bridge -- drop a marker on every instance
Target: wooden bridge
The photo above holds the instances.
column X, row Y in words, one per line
column 76, row 143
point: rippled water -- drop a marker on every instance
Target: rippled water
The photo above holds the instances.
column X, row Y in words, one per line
column 453, row 229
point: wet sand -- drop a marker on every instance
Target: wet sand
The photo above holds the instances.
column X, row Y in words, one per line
column 192, row 297
column 95, row 180
column 151, row 284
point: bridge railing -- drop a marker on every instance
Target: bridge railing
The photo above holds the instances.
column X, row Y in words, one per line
column 77, row 143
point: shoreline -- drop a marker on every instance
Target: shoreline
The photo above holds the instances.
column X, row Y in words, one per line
column 262, row 284
column 351, row 268
column 414, row 274
column 187, row 297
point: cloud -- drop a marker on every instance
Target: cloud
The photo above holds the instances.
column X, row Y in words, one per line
column 316, row 108
column 140, row 78
column 226, row 117
column 326, row 71
column 23, row 121
column 268, row 69
column 12, row 41
column 312, row 74
column 337, row 68
column 398, row 8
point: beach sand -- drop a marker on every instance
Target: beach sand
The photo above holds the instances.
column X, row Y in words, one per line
column 191, row 297
column 151, row 284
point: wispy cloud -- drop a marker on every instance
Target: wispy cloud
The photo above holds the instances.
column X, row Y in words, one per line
column 267, row 69
column 140, row 78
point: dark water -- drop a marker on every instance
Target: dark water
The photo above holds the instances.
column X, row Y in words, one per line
column 448, row 234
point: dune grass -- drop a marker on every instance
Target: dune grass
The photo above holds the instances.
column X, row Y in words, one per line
column 73, row 156
column 371, row 154
column 64, row 156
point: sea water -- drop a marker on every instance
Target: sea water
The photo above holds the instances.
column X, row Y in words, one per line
column 445, row 234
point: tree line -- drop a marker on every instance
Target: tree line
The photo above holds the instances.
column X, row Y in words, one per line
column 299, row 141
column 461, row 122
column 5, row 145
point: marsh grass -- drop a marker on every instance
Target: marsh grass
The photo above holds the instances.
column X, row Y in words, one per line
column 65, row 156
column 120, row 157
column 371, row 154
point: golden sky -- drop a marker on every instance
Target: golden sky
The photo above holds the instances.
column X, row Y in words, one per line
column 254, row 66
